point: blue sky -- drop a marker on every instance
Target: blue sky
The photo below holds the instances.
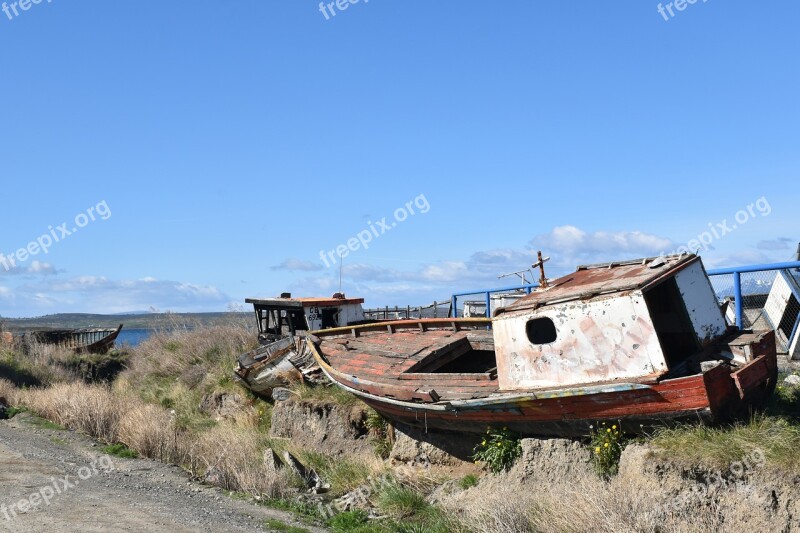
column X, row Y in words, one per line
column 232, row 142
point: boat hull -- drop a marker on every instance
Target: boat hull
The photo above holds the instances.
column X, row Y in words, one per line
column 80, row 341
column 721, row 393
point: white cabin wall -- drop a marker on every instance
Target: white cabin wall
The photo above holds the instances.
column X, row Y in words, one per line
column 348, row 313
column 351, row 313
column 596, row 341
column 701, row 303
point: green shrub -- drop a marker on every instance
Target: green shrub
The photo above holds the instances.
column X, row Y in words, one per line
column 277, row 525
column 401, row 502
column 468, row 481
column 11, row 412
column 378, row 428
column 607, row 444
column 348, row 521
column 498, row 449
column 119, row 450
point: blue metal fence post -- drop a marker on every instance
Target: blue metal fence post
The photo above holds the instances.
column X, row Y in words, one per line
column 488, row 304
column 737, row 294
column 454, row 306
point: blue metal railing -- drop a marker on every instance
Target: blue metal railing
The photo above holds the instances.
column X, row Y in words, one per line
column 737, row 281
column 488, row 296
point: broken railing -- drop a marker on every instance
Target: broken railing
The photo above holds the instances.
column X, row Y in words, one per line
column 763, row 296
column 481, row 304
column 434, row 310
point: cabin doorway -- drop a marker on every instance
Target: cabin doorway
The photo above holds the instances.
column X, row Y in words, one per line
column 330, row 318
column 672, row 323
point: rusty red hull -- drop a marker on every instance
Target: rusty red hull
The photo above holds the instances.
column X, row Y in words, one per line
column 469, row 402
column 710, row 397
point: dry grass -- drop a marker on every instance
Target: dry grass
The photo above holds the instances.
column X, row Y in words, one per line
column 153, row 407
column 91, row 409
column 177, row 369
column 585, row 503
column 38, row 364
column 235, row 456
column 228, row 454
column 10, row 392
column 151, row 432
column 192, row 355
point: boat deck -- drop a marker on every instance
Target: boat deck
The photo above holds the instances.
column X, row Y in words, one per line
column 407, row 365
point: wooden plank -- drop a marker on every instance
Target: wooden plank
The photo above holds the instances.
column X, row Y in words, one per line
column 751, row 376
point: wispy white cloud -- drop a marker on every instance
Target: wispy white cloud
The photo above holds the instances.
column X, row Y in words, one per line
column 35, row 268
column 293, row 264
column 570, row 245
column 781, row 243
column 6, row 294
column 103, row 295
column 738, row 258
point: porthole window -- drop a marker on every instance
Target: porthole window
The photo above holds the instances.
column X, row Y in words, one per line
column 541, row 330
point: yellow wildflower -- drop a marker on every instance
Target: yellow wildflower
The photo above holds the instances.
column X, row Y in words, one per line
column 606, row 445
column 614, row 426
column 597, row 449
column 608, row 431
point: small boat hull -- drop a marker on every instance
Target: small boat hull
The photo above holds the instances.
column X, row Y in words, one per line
column 80, row 341
column 101, row 346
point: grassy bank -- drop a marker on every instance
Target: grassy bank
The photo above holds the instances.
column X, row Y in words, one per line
column 159, row 407
column 775, row 431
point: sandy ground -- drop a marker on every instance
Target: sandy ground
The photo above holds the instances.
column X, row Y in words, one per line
column 77, row 488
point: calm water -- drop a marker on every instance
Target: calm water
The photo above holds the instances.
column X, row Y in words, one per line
column 133, row 337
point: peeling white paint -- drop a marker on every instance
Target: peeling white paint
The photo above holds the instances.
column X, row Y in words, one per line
column 597, row 341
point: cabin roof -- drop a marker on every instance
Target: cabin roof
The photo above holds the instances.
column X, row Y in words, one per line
column 600, row 280
column 303, row 302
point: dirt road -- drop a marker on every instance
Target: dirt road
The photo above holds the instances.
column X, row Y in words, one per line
column 57, row 480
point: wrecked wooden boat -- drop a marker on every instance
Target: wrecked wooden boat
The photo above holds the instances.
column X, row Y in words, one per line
column 640, row 342
column 282, row 322
column 84, row 340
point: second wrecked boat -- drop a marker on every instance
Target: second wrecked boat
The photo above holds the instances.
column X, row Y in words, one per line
column 639, row 341
column 282, row 322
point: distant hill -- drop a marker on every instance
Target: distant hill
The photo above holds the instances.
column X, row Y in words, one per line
column 131, row 321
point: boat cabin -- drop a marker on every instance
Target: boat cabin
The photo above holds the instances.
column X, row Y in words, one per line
column 279, row 317
column 608, row 322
